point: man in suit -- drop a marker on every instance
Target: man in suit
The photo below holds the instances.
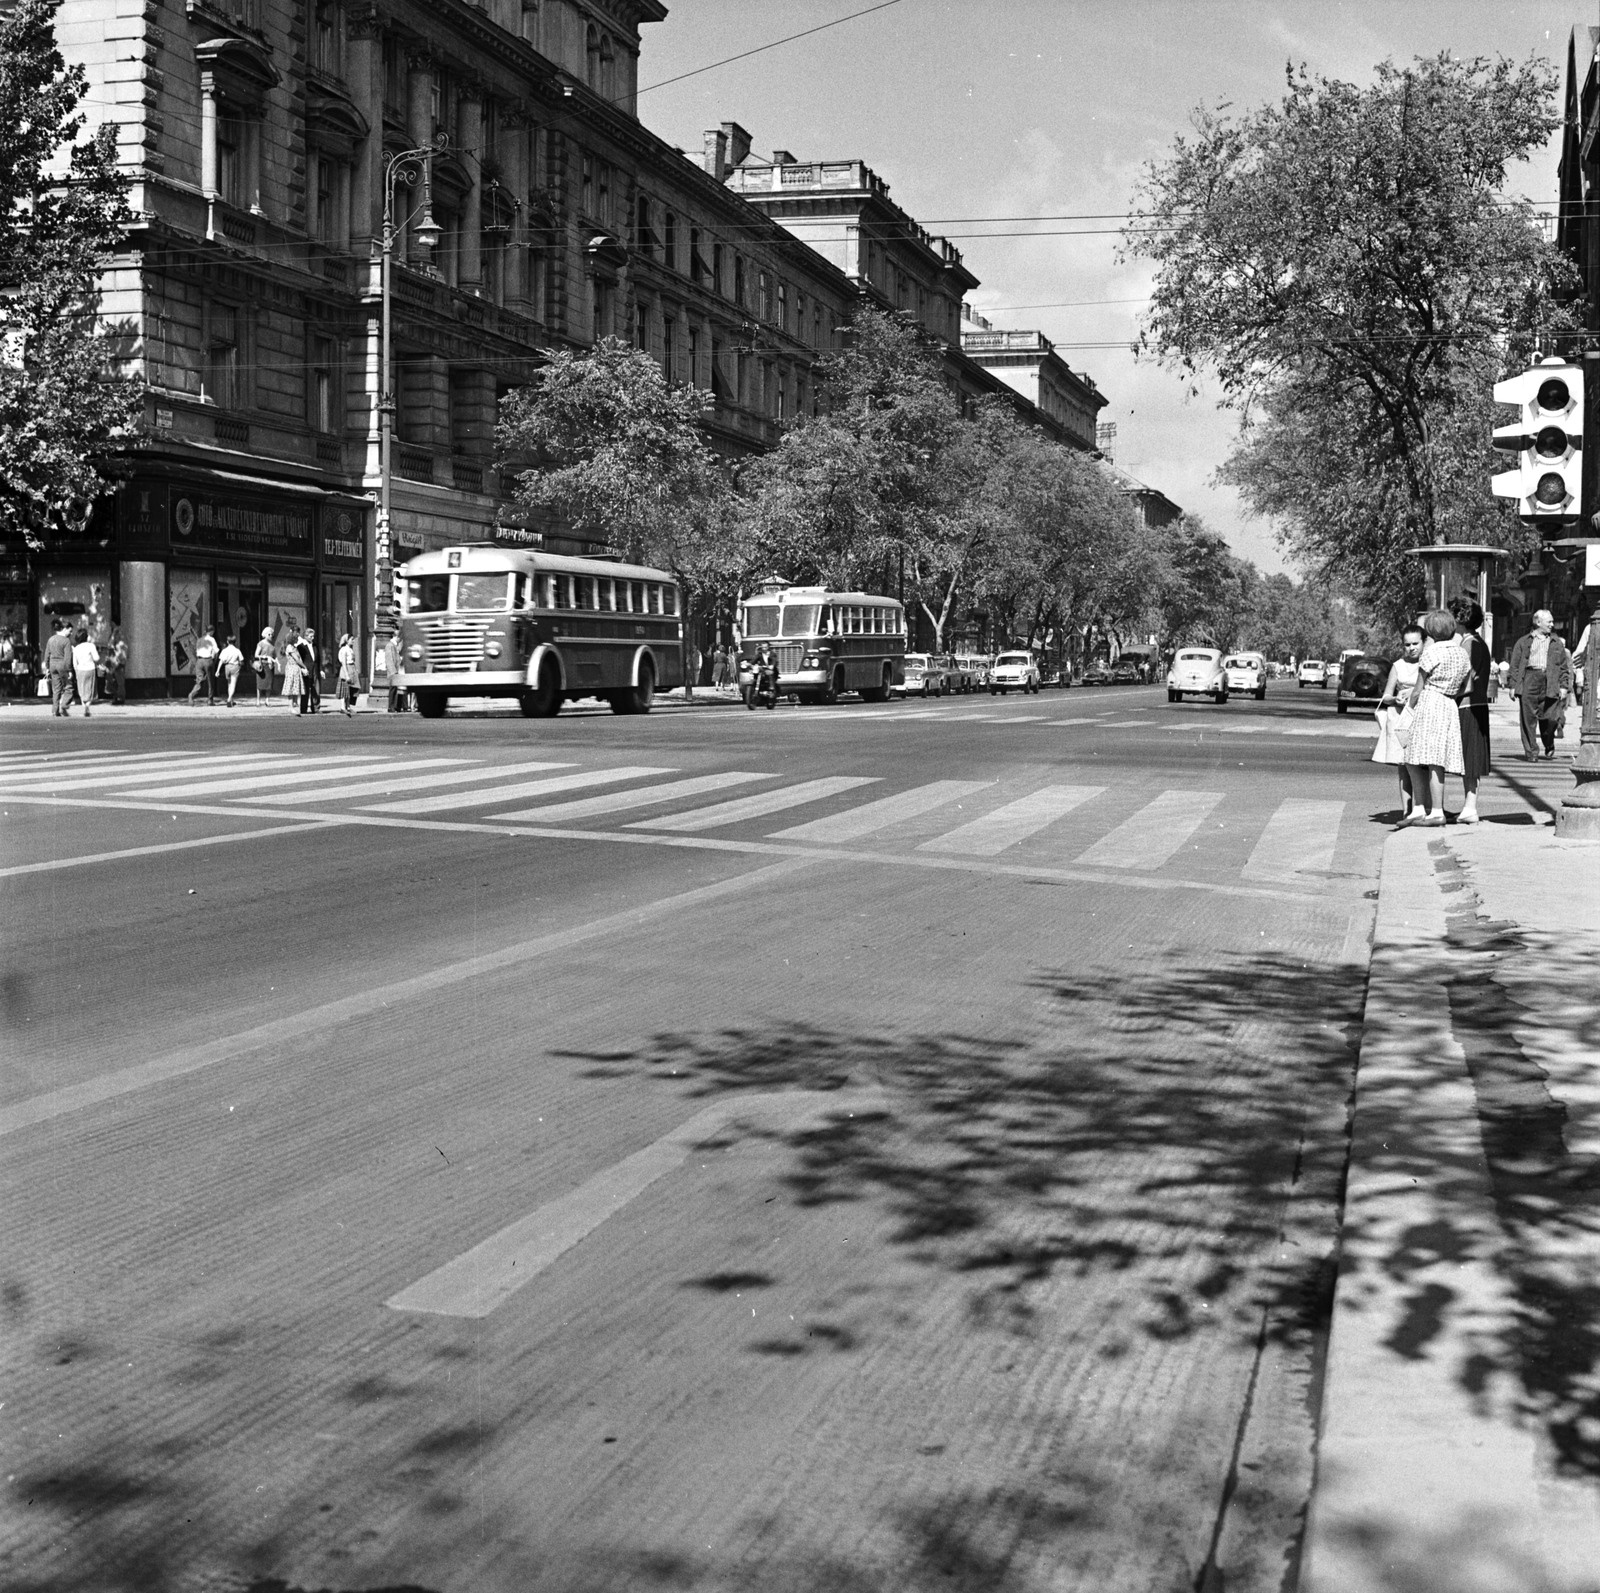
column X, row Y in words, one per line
column 1541, row 677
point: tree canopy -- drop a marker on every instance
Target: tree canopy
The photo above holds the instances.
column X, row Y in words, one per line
column 1347, row 268
column 63, row 205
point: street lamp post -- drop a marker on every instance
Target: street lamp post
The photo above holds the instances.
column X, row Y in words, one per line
column 410, row 167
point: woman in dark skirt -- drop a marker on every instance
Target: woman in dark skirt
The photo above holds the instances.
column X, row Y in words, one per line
column 1474, row 702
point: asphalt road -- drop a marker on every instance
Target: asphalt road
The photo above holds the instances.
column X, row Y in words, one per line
column 843, row 1149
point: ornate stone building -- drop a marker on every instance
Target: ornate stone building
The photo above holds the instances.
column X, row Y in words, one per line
column 257, row 135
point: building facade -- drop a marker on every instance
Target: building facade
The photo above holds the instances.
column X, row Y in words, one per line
column 260, row 139
column 1026, row 361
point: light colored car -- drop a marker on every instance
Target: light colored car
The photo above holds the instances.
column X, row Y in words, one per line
column 1197, row 672
column 1313, row 672
column 924, row 676
column 1013, row 672
column 1246, row 672
column 975, row 667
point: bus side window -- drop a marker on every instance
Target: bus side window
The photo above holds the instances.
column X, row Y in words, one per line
column 670, row 594
column 638, row 597
column 875, row 621
column 608, row 594
column 563, row 585
column 655, row 598
column 586, row 592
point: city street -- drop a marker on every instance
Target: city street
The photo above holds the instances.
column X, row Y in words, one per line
column 847, row 1148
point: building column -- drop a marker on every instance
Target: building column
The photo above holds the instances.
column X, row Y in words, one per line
column 208, row 136
column 364, row 73
column 469, row 136
column 419, row 128
column 515, row 148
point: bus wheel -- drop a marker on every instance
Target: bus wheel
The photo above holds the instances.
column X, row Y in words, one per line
column 879, row 693
column 542, row 701
column 638, row 699
column 835, row 687
column 430, row 704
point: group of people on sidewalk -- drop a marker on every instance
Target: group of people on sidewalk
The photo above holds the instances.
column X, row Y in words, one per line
column 1433, row 720
column 297, row 661
column 74, row 666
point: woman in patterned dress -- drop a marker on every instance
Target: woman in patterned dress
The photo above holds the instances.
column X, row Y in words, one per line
column 1435, row 748
column 1474, row 705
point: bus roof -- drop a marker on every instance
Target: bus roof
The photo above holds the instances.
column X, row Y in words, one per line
column 817, row 594
column 485, row 556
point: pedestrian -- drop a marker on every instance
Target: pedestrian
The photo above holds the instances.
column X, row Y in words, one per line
column 58, row 668
column 262, row 664
column 349, row 674
column 1474, row 706
column 230, row 661
column 117, row 668
column 1395, row 714
column 1541, row 676
column 393, row 659
column 691, row 670
column 311, row 662
column 205, row 664
column 85, row 664
column 719, row 666
column 1434, row 749
column 294, row 671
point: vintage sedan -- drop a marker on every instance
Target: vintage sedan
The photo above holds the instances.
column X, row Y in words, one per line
column 1197, row 672
column 924, row 676
column 1247, row 672
column 1098, row 673
column 1312, row 672
column 1014, row 671
column 1361, row 681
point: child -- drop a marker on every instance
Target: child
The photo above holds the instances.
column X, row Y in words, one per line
column 1394, row 713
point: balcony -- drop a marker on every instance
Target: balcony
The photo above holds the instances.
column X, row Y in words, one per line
column 993, row 342
column 330, row 450
column 416, row 464
column 467, row 474
column 230, row 429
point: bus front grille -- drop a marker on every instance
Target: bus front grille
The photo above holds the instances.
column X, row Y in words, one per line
column 453, row 643
column 788, row 659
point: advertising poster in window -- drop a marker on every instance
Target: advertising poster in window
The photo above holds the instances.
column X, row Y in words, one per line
column 188, row 604
column 77, row 595
column 288, row 608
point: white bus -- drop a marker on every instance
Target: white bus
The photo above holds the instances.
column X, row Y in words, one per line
column 483, row 621
column 827, row 643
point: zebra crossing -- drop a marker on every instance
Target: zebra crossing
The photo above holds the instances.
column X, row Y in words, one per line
column 1115, row 830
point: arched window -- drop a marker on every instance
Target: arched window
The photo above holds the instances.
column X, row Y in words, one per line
column 592, row 42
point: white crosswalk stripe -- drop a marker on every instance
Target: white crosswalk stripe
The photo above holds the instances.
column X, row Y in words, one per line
column 122, row 776
column 874, row 816
column 1148, row 838
column 1300, row 838
column 453, row 801
column 393, row 784
column 266, row 779
column 640, row 797
column 991, row 833
column 753, row 807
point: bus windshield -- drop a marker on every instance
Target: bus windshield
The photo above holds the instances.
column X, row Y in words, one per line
column 478, row 591
column 762, row 621
column 800, row 619
column 428, row 594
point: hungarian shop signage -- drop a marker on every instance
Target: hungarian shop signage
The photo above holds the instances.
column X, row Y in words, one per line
column 228, row 522
column 342, row 536
column 518, row 536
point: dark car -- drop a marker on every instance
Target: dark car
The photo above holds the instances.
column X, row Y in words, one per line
column 1126, row 675
column 1361, row 681
column 1098, row 675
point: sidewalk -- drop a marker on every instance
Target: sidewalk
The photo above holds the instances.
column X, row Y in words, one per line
column 1460, row 1427
column 27, row 710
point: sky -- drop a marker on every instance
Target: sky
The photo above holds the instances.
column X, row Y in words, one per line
column 973, row 109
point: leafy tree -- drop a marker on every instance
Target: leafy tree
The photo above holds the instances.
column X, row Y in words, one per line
column 63, row 205
column 1346, row 266
column 619, row 454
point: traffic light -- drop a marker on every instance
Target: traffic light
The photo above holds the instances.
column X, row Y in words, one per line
column 1547, row 439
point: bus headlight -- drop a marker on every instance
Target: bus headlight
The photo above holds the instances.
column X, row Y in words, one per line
column 491, row 649
column 414, row 652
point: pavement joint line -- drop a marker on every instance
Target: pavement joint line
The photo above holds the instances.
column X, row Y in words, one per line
column 1043, row 874
column 484, row 1277
column 282, row 1035
column 298, row 828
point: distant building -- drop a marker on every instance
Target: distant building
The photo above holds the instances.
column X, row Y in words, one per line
column 1155, row 508
column 1027, row 362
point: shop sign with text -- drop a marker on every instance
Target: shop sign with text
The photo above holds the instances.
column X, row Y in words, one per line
column 343, row 534
column 226, row 522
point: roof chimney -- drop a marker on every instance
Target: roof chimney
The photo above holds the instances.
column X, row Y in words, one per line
column 738, row 143
column 782, row 157
column 717, row 152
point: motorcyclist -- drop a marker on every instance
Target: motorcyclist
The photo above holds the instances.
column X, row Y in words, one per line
column 763, row 676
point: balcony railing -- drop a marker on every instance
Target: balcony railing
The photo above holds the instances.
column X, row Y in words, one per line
column 415, row 463
column 229, row 429
column 468, row 474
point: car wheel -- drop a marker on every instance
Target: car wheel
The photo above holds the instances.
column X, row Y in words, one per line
column 1172, row 696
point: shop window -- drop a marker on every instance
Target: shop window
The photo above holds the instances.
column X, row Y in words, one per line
column 223, row 386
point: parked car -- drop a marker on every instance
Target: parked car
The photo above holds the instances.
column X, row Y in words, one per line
column 975, row 666
column 1126, row 674
column 1246, row 672
column 1013, row 671
column 924, row 676
column 1197, row 672
column 1055, row 675
column 958, row 675
column 1313, row 672
column 1361, row 680
column 1098, row 674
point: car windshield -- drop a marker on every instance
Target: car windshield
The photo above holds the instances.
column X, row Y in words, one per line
column 482, row 590
column 428, row 594
column 1013, row 658
column 800, row 619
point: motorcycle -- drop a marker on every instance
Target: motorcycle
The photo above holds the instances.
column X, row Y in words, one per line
column 763, row 685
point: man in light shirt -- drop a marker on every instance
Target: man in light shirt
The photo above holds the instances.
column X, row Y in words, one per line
column 1541, row 677
column 205, row 663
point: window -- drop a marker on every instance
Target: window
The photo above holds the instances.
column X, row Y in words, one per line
column 694, row 356
column 800, row 395
column 487, row 590
column 325, row 44
column 530, row 21
column 222, row 356
column 588, row 183
column 641, row 326
column 670, row 251
column 324, row 413
column 669, row 339
column 716, row 268
column 695, row 271
column 562, row 595
column 763, row 296
column 783, row 305
column 603, row 176
column 670, row 599
column 643, row 242
column 230, row 156
column 608, row 595
column 655, row 598
column 638, row 597
column 592, row 49
column 779, row 397
column 602, row 306
column 738, row 280
column 587, row 596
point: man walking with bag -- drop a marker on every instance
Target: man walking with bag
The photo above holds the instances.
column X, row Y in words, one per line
column 1541, row 677
column 58, row 668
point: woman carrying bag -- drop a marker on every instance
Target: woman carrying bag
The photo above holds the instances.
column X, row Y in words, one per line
column 349, row 675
